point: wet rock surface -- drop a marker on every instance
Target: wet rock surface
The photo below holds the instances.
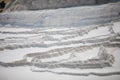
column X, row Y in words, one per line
column 16, row 5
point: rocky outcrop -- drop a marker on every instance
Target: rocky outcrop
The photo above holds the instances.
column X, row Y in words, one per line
column 16, row 5
column 68, row 17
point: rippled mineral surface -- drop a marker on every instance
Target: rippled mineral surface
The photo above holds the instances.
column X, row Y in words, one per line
column 80, row 43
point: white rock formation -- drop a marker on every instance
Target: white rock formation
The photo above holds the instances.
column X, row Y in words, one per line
column 61, row 45
column 69, row 17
